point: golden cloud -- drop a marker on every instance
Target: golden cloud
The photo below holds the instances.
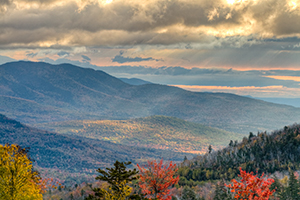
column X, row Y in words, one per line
column 151, row 22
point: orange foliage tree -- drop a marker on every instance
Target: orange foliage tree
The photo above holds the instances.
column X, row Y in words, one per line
column 156, row 181
column 46, row 184
column 251, row 187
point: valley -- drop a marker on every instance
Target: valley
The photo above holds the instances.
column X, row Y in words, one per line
column 157, row 132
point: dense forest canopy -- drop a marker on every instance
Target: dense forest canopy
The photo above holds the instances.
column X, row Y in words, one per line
column 260, row 153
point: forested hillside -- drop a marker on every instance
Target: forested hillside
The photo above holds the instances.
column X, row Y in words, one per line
column 263, row 152
column 53, row 150
column 40, row 92
column 159, row 132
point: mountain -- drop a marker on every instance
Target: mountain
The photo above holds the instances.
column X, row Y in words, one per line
column 53, row 150
column 159, row 132
column 134, row 81
column 287, row 101
column 40, row 92
column 262, row 153
column 5, row 59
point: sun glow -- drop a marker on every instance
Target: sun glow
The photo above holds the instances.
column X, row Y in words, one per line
column 231, row 2
column 293, row 5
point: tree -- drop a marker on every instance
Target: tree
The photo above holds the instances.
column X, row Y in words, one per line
column 221, row 192
column 278, row 187
column 18, row 180
column 188, row 194
column 156, row 181
column 118, row 178
column 251, row 187
column 293, row 187
column 210, row 149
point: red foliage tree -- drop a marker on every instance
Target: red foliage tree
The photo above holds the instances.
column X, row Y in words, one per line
column 251, row 187
column 156, row 181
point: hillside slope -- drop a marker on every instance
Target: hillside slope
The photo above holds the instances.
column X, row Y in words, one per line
column 260, row 153
column 44, row 93
column 159, row 132
column 52, row 150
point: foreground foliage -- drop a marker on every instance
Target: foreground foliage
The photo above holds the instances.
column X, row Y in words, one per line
column 251, row 187
column 18, row 180
column 118, row 179
column 156, row 181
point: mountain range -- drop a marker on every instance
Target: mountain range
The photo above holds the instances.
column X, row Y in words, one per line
column 36, row 92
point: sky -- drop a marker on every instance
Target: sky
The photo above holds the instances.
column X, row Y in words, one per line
column 246, row 47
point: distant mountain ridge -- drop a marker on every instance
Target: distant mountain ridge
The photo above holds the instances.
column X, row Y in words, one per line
column 158, row 132
column 286, row 101
column 40, row 92
column 134, row 81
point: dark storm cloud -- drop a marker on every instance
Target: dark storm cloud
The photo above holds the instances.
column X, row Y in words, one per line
column 31, row 54
column 63, row 53
column 5, row 2
column 85, row 58
column 121, row 59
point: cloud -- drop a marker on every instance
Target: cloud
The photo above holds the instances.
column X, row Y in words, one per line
column 63, row 53
column 185, row 23
column 31, row 54
column 293, row 78
column 5, row 2
column 121, row 59
column 85, row 58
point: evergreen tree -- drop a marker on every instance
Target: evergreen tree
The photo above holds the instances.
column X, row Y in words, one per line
column 188, row 194
column 221, row 192
column 118, row 178
column 231, row 143
column 293, row 187
column 250, row 135
column 185, row 158
column 210, row 149
column 277, row 187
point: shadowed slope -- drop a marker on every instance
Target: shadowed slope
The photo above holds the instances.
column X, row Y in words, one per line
column 52, row 150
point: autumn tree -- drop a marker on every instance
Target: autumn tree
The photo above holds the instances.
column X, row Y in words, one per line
column 18, row 180
column 251, row 187
column 118, row 179
column 156, row 180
